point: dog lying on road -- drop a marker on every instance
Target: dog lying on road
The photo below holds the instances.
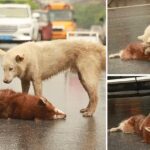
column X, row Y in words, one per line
column 23, row 106
column 139, row 124
column 135, row 50
column 37, row 61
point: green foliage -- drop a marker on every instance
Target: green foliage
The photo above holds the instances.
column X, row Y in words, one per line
column 88, row 14
column 32, row 3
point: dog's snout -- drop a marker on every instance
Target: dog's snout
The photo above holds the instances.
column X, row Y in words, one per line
column 64, row 116
column 59, row 114
column 6, row 81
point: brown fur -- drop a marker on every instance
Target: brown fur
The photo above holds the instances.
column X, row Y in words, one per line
column 22, row 106
column 146, row 129
column 134, row 51
column 138, row 124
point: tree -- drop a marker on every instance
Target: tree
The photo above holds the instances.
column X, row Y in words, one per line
column 32, row 3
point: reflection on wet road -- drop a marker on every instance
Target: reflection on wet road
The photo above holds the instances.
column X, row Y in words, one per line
column 74, row 133
column 124, row 25
column 120, row 109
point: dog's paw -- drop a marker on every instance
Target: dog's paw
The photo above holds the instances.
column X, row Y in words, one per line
column 87, row 114
column 83, row 110
column 147, row 51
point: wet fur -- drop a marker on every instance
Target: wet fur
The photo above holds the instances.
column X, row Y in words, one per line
column 134, row 51
column 23, row 106
column 37, row 61
column 138, row 124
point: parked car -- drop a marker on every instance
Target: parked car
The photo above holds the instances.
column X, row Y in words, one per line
column 17, row 24
column 45, row 26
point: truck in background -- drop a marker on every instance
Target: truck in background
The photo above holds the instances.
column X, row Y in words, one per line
column 62, row 18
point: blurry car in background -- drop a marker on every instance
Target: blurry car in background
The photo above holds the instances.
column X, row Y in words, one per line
column 45, row 26
column 17, row 24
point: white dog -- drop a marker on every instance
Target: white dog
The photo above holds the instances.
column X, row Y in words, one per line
column 37, row 61
column 146, row 36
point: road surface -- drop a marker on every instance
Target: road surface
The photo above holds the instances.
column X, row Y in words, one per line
column 73, row 133
column 124, row 25
column 120, row 109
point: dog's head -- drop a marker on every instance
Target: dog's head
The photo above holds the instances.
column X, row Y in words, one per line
column 146, row 36
column 11, row 64
column 48, row 110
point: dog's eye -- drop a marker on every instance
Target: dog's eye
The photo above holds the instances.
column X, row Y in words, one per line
column 10, row 69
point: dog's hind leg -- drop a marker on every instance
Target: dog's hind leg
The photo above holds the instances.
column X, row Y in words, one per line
column 114, row 129
column 89, row 80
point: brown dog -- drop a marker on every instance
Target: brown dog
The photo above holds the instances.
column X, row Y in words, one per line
column 139, row 124
column 134, row 50
column 22, row 106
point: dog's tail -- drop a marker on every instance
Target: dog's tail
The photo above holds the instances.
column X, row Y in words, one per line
column 116, row 55
column 114, row 129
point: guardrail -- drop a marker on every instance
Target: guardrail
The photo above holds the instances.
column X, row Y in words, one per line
column 129, row 87
column 84, row 35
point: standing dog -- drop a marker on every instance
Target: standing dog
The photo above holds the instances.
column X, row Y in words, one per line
column 146, row 36
column 23, row 106
column 139, row 124
column 135, row 50
column 37, row 61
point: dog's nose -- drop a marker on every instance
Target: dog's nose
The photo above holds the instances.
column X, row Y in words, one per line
column 6, row 81
column 64, row 116
column 59, row 114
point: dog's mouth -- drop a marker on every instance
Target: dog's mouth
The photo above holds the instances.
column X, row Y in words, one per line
column 59, row 114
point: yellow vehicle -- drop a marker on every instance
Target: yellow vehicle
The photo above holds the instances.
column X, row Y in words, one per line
column 61, row 16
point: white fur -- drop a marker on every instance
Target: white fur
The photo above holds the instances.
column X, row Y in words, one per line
column 114, row 55
column 146, row 36
column 147, row 129
column 59, row 111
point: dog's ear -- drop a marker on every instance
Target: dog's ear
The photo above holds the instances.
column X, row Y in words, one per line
column 19, row 58
column 140, row 37
column 2, row 52
column 42, row 101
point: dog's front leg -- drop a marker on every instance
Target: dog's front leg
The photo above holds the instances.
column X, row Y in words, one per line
column 25, row 85
column 37, row 85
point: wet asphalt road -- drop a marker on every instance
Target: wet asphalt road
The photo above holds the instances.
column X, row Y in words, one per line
column 73, row 133
column 120, row 109
column 124, row 25
column 6, row 46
